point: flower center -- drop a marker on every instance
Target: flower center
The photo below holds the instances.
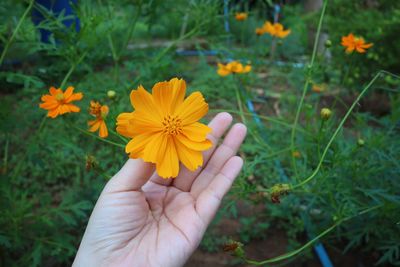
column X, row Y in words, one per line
column 60, row 97
column 172, row 125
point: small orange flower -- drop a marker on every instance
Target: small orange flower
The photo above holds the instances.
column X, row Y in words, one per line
column 100, row 112
column 59, row 102
column 352, row 43
column 232, row 67
column 275, row 30
column 296, row 154
column 318, row 88
column 164, row 127
column 260, row 31
column 241, row 16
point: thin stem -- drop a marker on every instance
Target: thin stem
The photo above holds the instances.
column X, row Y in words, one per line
column 306, row 84
column 337, row 131
column 239, row 103
column 266, row 118
column 3, row 54
column 73, row 66
column 5, row 159
column 312, row 241
column 319, row 137
column 98, row 137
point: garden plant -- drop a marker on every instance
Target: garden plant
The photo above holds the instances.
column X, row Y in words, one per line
column 86, row 85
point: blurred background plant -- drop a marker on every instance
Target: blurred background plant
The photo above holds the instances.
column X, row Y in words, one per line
column 52, row 174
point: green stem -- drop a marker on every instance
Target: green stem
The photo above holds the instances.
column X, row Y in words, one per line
column 319, row 137
column 312, row 241
column 97, row 137
column 266, row 118
column 73, row 66
column 3, row 54
column 239, row 103
column 306, row 84
column 337, row 131
column 5, row 159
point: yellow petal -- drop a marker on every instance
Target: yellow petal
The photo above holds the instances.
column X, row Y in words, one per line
column 103, row 133
column 155, row 147
column 192, row 109
column 196, row 131
column 123, row 124
column 198, row 146
column 142, row 101
column 190, row 158
column 168, row 166
column 144, row 123
column 169, row 95
column 74, row 97
column 95, row 125
column 136, row 146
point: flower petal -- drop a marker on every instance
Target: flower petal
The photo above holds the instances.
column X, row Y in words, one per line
column 169, row 95
column 74, row 97
column 68, row 93
column 144, row 123
column 53, row 91
column 168, row 166
column 123, row 124
column 136, row 146
column 73, row 108
column 155, row 147
column 103, row 133
column 198, row 146
column 192, row 109
column 142, row 101
column 190, row 158
column 49, row 104
column 196, row 131
column 53, row 113
column 95, row 125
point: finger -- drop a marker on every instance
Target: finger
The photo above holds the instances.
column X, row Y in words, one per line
column 132, row 176
column 210, row 198
column 225, row 151
column 219, row 124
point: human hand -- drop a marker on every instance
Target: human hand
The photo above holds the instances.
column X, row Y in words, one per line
column 141, row 219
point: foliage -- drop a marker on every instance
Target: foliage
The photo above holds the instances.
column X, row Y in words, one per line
column 48, row 187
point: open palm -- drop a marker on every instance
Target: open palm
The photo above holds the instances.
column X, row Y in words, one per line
column 141, row 219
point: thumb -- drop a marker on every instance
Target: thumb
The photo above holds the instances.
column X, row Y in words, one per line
column 132, row 176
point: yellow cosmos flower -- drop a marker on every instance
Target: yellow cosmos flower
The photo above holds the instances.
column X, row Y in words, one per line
column 275, row 29
column 164, row 127
column 59, row 102
column 100, row 113
column 232, row 67
column 352, row 43
column 241, row 16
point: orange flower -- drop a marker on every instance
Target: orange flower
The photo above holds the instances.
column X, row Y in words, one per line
column 98, row 124
column 232, row 67
column 164, row 127
column 352, row 43
column 296, row 154
column 241, row 16
column 59, row 102
column 275, row 30
column 260, row 31
column 319, row 88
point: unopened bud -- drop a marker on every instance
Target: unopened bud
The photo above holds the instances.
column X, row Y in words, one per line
column 111, row 94
column 235, row 247
column 326, row 113
column 360, row 142
column 328, row 43
column 279, row 190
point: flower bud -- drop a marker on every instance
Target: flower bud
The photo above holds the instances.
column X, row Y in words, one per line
column 360, row 142
column 235, row 247
column 111, row 94
column 326, row 113
column 279, row 190
column 328, row 43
